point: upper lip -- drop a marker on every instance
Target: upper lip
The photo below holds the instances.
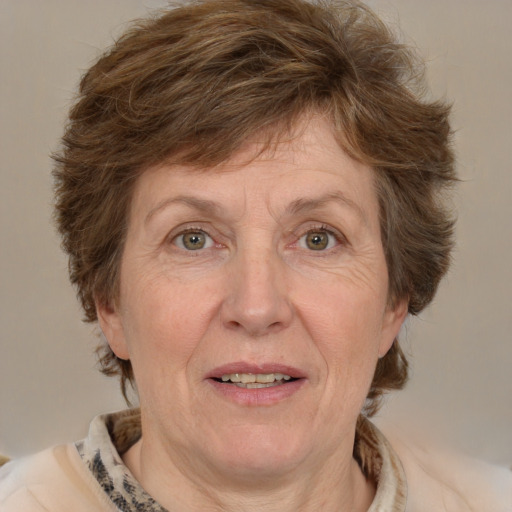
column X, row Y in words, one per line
column 264, row 368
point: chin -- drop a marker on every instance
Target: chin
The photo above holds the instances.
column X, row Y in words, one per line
column 261, row 451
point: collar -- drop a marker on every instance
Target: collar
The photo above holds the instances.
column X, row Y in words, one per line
column 111, row 435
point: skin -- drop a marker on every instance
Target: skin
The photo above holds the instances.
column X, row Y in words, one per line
column 257, row 293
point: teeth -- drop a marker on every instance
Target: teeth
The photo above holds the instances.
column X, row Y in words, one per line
column 247, row 378
column 255, row 385
column 251, row 380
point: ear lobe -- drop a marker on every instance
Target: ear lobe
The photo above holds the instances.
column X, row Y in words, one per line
column 111, row 325
column 393, row 319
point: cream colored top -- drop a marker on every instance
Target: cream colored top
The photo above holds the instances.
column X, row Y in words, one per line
column 90, row 476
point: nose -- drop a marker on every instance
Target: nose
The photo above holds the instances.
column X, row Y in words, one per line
column 257, row 301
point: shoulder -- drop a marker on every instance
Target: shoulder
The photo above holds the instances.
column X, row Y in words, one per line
column 53, row 480
column 449, row 482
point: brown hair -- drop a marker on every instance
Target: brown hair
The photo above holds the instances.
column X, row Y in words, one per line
column 193, row 83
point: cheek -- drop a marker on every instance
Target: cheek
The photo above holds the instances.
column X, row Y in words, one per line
column 345, row 324
column 165, row 321
column 339, row 309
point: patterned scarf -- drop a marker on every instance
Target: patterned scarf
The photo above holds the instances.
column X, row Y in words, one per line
column 111, row 435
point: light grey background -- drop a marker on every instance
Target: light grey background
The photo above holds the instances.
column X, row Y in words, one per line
column 460, row 348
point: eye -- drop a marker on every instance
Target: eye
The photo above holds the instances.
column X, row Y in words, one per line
column 318, row 240
column 193, row 240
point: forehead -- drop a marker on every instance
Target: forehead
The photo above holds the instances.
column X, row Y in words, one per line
column 306, row 166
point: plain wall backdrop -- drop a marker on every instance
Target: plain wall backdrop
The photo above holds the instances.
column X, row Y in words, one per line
column 460, row 348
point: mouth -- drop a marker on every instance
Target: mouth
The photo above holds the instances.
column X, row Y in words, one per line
column 251, row 384
column 255, row 380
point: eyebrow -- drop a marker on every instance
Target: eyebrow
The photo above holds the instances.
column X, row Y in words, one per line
column 299, row 206
column 304, row 205
column 205, row 206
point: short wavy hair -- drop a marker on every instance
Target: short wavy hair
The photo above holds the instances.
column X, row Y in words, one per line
column 190, row 84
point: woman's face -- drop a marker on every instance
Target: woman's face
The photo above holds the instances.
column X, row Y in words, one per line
column 253, row 306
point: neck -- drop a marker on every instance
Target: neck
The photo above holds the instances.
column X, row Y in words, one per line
column 336, row 485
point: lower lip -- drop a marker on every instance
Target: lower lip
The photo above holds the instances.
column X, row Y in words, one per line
column 257, row 396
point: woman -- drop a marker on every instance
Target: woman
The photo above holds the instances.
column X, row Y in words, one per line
column 250, row 197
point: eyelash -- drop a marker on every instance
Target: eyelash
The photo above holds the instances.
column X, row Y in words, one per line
column 181, row 234
column 322, row 228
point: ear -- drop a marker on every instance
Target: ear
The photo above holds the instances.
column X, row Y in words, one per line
column 111, row 325
column 394, row 317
